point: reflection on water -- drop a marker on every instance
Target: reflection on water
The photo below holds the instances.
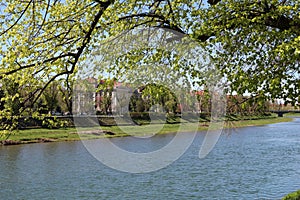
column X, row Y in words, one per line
column 252, row 163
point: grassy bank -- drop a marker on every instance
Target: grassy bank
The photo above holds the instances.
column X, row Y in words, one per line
column 292, row 196
column 71, row 134
column 258, row 122
column 292, row 115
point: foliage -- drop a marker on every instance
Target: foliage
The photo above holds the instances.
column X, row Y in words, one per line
column 104, row 98
column 255, row 44
column 204, row 101
column 247, row 105
column 292, row 196
column 51, row 97
column 259, row 52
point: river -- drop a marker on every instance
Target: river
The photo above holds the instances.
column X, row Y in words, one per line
column 247, row 163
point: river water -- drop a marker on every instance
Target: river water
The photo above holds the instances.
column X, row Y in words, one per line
column 247, row 163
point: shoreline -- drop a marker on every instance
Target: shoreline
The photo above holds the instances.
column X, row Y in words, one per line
column 72, row 134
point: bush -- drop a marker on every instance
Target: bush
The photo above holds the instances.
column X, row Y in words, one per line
column 146, row 115
column 292, row 196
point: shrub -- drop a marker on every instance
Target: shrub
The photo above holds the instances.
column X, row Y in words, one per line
column 292, row 196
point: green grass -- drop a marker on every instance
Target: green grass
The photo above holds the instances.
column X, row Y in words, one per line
column 292, row 196
column 292, row 115
column 71, row 134
column 256, row 122
column 32, row 135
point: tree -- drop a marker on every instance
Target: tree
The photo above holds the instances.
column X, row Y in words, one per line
column 154, row 95
column 43, row 40
column 255, row 44
column 204, row 101
column 66, row 93
column 51, row 97
column 2, row 95
column 104, row 96
column 259, row 51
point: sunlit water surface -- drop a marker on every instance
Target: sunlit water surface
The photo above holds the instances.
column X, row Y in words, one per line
column 247, row 163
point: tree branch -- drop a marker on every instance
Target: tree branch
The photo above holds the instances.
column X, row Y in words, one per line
column 88, row 35
column 213, row 2
column 34, row 64
column 23, row 12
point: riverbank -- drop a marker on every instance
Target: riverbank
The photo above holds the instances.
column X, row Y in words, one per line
column 292, row 196
column 72, row 134
column 292, row 115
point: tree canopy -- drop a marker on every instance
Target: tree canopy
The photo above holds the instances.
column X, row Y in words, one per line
column 254, row 43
